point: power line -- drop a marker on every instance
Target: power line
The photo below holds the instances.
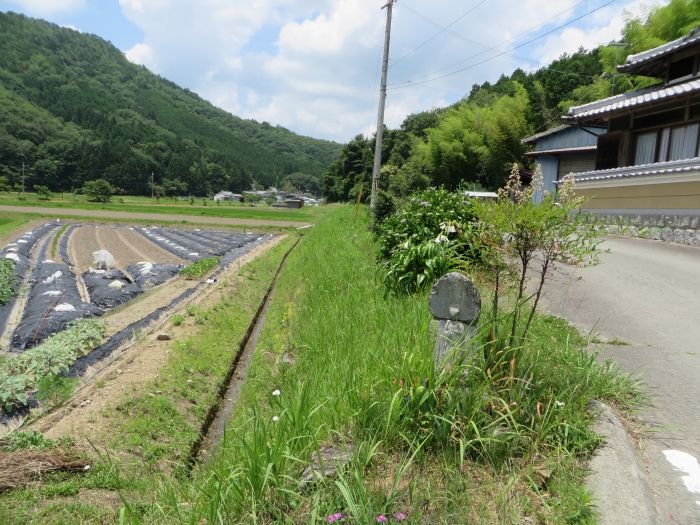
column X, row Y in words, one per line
column 442, row 30
column 499, row 54
column 488, row 48
column 514, row 37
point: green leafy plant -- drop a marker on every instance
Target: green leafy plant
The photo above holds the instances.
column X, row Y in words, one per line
column 421, row 241
column 21, row 440
column 200, row 268
column 23, row 373
column 7, row 280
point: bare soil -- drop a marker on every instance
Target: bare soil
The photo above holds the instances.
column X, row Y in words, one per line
column 127, row 247
column 137, row 365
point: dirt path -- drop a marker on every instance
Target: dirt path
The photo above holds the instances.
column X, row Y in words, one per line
column 82, row 418
column 164, row 217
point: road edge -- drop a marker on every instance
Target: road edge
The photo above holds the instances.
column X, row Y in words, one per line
column 616, row 476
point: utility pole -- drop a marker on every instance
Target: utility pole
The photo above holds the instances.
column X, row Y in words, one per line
column 152, row 188
column 382, row 102
column 22, row 177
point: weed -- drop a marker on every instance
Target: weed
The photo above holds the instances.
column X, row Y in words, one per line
column 177, row 320
column 53, row 251
column 54, row 390
column 21, row 440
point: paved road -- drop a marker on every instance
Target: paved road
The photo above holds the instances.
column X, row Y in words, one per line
column 647, row 293
column 161, row 217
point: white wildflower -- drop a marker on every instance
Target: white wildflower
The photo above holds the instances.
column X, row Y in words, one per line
column 559, row 403
column 275, row 419
column 276, row 393
column 441, row 239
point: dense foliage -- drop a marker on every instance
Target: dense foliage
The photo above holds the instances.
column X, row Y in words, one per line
column 476, row 140
column 200, row 268
column 7, row 280
column 421, row 241
column 21, row 374
column 72, row 109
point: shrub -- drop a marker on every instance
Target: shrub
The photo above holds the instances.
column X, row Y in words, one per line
column 383, row 208
column 423, row 240
column 43, row 191
column 98, row 190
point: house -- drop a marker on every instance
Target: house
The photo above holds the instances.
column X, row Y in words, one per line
column 647, row 172
column 564, row 149
column 228, row 196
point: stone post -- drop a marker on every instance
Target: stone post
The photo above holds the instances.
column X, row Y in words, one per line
column 455, row 304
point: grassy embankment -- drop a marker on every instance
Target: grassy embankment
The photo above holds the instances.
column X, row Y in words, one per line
column 149, row 433
column 169, row 206
column 354, row 371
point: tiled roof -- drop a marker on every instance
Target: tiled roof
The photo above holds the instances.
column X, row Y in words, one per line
column 665, row 49
column 546, row 133
column 600, row 108
column 643, row 170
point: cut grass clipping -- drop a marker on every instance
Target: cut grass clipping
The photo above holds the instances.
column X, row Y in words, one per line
column 7, row 280
column 38, row 366
column 201, row 268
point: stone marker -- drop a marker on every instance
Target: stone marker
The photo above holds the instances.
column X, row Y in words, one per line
column 455, row 304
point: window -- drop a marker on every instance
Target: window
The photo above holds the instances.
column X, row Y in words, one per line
column 645, row 148
column 684, row 142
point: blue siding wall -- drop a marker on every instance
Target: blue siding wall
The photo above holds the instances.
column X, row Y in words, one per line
column 569, row 138
column 550, row 167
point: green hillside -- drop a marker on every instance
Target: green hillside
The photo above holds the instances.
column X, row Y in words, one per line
column 74, row 109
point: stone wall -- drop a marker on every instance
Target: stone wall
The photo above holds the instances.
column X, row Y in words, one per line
column 683, row 229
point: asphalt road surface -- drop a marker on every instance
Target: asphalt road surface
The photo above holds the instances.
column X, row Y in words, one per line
column 647, row 294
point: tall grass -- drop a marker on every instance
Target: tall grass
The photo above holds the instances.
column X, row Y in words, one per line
column 355, row 372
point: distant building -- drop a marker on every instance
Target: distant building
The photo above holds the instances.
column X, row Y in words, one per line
column 562, row 150
column 228, row 196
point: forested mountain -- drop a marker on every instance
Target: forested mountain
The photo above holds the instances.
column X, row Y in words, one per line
column 73, row 108
column 475, row 141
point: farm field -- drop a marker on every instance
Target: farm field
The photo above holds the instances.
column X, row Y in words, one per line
column 116, row 279
column 134, row 204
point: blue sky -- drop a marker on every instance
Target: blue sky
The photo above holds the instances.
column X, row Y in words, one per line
column 312, row 65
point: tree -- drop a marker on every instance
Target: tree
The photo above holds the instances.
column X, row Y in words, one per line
column 303, row 182
column 43, row 192
column 475, row 143
column 98, row 190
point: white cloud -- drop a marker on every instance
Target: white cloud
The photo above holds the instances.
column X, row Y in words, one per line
column 49, row 7
column 312, row 65
column 142, row 54
column 608, row 25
